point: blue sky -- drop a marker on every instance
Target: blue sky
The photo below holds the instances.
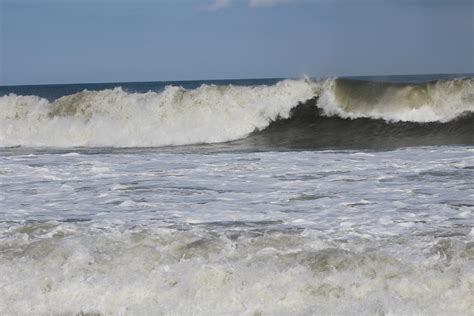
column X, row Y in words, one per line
column 71, row 41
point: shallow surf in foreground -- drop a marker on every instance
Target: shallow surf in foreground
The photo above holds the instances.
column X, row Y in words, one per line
column 327, row 232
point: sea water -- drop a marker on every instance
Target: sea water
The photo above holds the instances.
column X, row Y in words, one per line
column 258, row 198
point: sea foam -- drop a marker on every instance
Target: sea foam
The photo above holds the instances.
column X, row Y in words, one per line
column 213, row 113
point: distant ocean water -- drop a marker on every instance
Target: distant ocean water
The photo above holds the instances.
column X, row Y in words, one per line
column 272, row 196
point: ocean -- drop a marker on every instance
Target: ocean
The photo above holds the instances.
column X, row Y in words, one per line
column 335, row 196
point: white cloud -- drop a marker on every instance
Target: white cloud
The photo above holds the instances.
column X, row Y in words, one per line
column 267, row 3
column 219, row 4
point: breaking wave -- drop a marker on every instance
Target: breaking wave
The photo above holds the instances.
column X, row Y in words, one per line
column 223, row 113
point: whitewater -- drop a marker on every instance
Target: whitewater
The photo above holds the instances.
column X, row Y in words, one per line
column 215, row 113
column 258, row 197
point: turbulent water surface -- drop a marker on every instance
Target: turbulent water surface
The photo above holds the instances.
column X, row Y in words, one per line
column 335, row 196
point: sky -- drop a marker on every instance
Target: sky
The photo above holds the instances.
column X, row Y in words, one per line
column 77, row 41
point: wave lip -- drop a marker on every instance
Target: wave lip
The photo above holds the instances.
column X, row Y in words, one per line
column 216, row 114
column 437, row 101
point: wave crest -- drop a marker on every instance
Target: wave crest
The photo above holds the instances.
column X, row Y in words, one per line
column 437, row 101
column 175, row 116
column 213, row 113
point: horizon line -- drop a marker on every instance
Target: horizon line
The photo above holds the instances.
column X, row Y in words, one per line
column 235, row 79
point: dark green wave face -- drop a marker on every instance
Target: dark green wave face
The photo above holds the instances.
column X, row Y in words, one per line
column 376, row 115
column 309, row 129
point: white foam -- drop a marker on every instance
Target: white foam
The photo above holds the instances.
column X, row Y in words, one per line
column 208, row 114
column 175, row 116
column 237, row 233
column 107, row 269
